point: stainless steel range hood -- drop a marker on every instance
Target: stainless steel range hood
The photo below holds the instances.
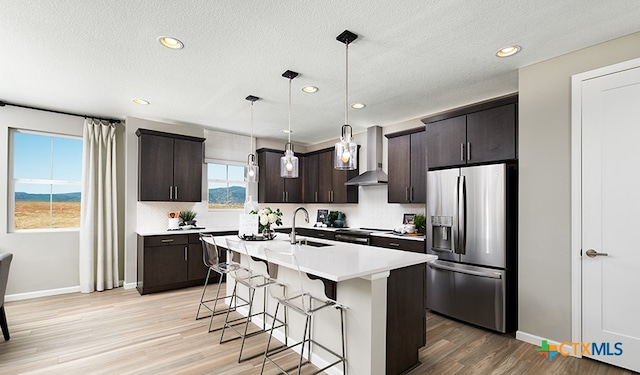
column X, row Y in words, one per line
column 374, row 174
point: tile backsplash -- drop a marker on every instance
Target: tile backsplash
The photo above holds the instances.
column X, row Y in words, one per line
column 372, row 211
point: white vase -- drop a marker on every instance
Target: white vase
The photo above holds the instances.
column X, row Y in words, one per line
column 174, row 223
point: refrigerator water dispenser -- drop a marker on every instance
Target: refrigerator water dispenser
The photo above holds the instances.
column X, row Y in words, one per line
column 441, row 229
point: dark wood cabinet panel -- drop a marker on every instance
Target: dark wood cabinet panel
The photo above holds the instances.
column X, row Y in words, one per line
column 311, row 179
column 271, row 187
column 196, row 269
column 446, row 141
column 399, row 172
column 169, row 167
column 479, row 133
column 168, row 262
column 155, row 168
column 418, row 193
column 165, row 265
column 407, row 167
column 319, row 182
column 343, row 193
column 491, row 134
column 406, row 318
column 325, row 176
column 398, row 244
column 187, row 170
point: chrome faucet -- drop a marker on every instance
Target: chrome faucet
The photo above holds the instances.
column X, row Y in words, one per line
column 293, row 226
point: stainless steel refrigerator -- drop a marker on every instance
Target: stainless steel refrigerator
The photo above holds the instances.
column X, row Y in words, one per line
column 472, row 228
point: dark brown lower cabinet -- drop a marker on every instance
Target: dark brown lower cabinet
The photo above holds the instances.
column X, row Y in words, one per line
column 406, row 317
column 171, row 261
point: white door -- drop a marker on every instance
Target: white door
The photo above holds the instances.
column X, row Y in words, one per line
column 611, row 218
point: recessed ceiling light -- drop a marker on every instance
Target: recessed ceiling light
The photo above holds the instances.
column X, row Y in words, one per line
column 358, row 105
column 171, row 42
column 140, row 101
column 287, row 131
column 310, row 89
column 508, row 51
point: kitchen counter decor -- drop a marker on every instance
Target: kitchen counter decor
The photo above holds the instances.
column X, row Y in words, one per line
column 267, row 217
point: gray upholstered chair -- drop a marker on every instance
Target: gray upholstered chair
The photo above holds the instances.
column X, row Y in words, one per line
column 5, row 263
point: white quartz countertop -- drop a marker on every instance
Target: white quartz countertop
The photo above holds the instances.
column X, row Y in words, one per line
column 338, row 262
column 181, row 231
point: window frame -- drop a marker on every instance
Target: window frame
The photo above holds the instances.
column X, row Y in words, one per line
column 226, row 163
column 12, row 181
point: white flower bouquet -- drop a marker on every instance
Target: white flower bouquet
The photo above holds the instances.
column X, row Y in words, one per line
column 266, row 217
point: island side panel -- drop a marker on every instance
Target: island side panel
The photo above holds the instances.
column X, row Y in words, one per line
column 366, row 301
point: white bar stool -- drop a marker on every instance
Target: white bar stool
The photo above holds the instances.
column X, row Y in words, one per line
column 305, row 304
column 253, row 280
column 212, row 259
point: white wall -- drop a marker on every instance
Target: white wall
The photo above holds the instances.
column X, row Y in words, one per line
column 545, row 196
column 44, row 262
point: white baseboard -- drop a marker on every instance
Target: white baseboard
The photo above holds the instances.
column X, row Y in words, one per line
column 53, row 292
column 533, row 339
column 42, row 293
column 129, row 285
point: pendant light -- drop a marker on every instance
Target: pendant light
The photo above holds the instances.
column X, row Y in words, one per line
column 289, row 162
column 346, row 150
column 251, row 169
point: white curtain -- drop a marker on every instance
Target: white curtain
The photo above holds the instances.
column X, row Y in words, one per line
column 98, row 217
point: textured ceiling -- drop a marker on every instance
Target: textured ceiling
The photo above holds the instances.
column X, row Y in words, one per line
column 413, row 57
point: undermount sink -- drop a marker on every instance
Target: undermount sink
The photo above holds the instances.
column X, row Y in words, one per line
column 315, row 244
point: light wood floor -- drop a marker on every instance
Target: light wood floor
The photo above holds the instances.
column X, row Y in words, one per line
column 121, row 332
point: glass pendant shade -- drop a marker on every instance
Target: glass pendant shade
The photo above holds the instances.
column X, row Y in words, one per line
column 289, row 163
column 251, row 169
column 346, row 151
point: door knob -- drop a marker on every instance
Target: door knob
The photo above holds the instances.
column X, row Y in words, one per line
column 592, row 254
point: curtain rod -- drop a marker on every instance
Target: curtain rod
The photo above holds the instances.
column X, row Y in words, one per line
column 112, row 121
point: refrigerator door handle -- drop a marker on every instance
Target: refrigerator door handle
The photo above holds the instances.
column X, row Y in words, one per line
column 455, row 227
column 467, row 272
column 462, row 215
column 460, row 212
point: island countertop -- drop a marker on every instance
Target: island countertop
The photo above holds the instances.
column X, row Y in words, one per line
column 338, row 261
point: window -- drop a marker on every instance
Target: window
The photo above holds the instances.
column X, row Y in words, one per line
column 226, row 186
column 46, row 180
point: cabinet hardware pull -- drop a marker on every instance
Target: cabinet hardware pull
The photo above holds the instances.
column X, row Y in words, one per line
column 411, row 195
column 320, row 234
column 283, row 199
column 316, row 196
column 468, row 150
column 170, row 193
column 166, row 241
column 406, row 193
column 185, row 254
column 394, row 244
column 287, row 195
column 461, row 151
column 176, row 192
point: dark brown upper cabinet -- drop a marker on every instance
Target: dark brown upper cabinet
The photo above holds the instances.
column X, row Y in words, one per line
column 271, row 187
column 407, row 166
column 169, row 167
column 325, row 184
column 480, row 133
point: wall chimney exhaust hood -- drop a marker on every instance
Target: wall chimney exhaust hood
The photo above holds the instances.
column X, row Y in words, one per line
column 374, row 174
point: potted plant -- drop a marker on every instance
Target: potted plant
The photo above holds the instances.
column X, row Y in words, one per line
column 420, row 222
column 188, row 217
column 336, row 219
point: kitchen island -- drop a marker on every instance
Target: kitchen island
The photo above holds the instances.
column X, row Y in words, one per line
column 381, row 288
